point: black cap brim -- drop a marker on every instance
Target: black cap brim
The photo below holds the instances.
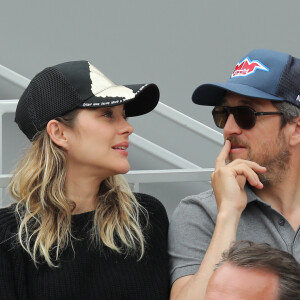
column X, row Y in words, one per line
column 143, row 99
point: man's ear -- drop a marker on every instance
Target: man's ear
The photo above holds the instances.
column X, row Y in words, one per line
column 56, row 131
column 295, row 132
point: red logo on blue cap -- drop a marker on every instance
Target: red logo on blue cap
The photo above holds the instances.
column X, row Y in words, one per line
column 248, row 67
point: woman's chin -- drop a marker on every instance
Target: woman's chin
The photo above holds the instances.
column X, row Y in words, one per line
column 122, row 169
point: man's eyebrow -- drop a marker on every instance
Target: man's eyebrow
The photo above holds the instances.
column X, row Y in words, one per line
column 247, row 102
column 223, row 101
column 242, row 101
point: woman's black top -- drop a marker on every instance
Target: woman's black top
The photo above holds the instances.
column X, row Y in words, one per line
column 88, row 272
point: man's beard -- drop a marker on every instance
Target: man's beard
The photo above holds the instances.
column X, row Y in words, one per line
column 274, row 156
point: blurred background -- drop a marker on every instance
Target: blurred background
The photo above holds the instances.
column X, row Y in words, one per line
column 176, row 44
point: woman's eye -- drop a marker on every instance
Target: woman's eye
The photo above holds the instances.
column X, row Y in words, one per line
column 108, row 114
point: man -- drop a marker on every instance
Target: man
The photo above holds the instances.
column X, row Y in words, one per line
column 256, row 179
column 251, row 271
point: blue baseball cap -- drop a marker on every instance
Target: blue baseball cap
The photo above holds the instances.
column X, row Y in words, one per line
column 262, row 73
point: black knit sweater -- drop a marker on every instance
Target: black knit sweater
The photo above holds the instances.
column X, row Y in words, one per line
column 90, row 273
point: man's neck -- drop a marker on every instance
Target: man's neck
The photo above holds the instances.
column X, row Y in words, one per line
column 285, row 197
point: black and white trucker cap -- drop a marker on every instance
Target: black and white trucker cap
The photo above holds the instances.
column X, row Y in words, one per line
column 62, row 88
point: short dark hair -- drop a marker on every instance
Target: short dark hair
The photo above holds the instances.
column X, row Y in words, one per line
column 247, row 254
column 289, row 111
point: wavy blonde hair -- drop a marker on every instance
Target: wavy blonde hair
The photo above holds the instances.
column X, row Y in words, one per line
column 44, row 212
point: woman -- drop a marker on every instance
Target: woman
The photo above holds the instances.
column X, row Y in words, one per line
column 77, row 231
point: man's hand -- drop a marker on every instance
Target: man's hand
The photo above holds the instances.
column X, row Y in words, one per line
column 228, row 181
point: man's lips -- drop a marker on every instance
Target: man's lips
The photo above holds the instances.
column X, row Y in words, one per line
column 237, row 149
column 237, row 146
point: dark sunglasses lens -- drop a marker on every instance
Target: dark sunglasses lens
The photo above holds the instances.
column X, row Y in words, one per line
column 220, row 116
column 244, row 117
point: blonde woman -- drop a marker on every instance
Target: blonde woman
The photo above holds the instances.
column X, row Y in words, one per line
column 76, row 230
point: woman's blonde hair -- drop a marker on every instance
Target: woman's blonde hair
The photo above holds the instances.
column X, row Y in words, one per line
column 44, row 213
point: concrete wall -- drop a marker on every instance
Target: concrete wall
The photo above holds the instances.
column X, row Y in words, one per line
column 176, row 44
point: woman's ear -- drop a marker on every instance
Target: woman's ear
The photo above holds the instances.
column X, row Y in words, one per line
column 295, row 135
column 56, row 131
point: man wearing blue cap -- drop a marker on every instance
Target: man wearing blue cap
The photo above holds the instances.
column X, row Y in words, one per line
column 256, row 182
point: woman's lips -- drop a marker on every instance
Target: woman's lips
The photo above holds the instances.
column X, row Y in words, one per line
column 121, row 148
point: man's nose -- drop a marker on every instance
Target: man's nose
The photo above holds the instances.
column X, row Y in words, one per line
column 231, row 127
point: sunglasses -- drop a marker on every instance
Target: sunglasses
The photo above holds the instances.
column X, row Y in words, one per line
column 244, row 116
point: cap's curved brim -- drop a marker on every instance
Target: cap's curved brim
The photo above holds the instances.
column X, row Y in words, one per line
column 138, row 99
column 213, row 94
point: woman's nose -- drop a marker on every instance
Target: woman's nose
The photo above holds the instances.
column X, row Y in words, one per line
column 126, row 127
